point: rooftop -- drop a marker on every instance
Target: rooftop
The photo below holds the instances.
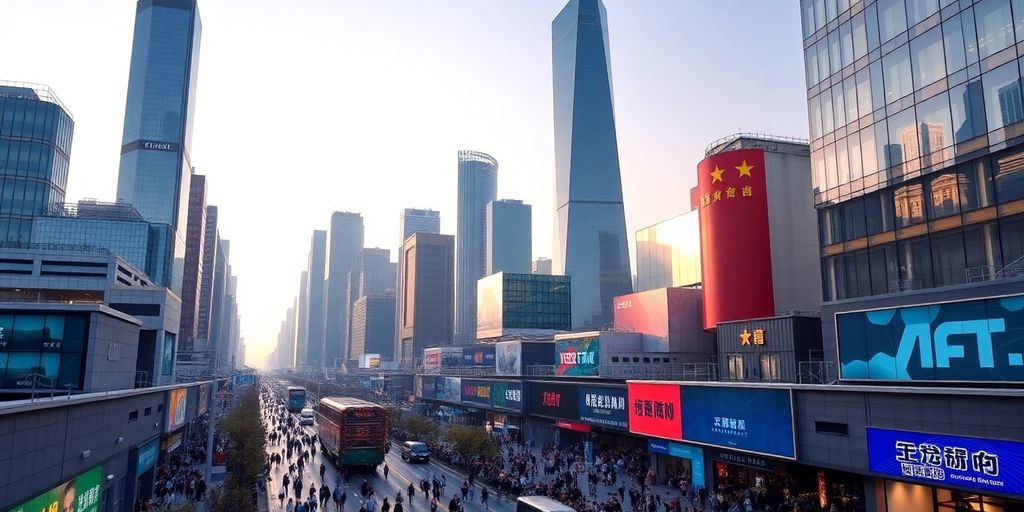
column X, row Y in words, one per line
column 32, row 91
column 752, row 140
column 94, row 210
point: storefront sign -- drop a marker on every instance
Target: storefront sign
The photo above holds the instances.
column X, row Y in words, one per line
column 936, row 459
column 757, row 337
column 171, row 443
column 745, row 460
column 507, row 395
column 480, row 356
column 244, row 379
column 604, row 406
column 655, row 409
column 176, row 401
column 976, row 340
column 81, row 494
column 578, row 357
column 572, row 425
column 147, row 456
column 554, row 400
column 683, row 451
column 431, row 359
column 748, row 419
column 449, row 389
column 476, row 392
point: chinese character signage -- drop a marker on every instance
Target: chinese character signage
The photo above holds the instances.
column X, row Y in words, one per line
column 655, row 409
column 480, row 356
column 604, row 406
column 507, row 395
column 81, row 494
column 978, row 340
column 750, row 419
column 981, row 464
column 755, row 337
column 578, row 357
column 476, row 392
column 554, row 400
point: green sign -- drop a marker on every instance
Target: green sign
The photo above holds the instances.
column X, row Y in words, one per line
column 81, row 494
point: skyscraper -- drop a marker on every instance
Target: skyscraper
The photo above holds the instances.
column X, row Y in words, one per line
column 478, row 185
column 155, row 169
column 509, row 237
column 31, row 118
column 301, row 320
column 427, row 292
column 346, row 242
column 210, row 239
column 315, row 324
column 193, row 272
column 590, row 225
column 541, row 265
column 418, row 220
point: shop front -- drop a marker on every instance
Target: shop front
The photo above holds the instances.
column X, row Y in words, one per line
column 674, row 462
column 589, row 416
column 145, row 457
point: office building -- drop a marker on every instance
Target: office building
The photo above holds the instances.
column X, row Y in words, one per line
column 373, row 326
column 541, row 266
column 478, row 185
column 346, row 242
column 418, row 220
column 522, row 305
column 668, row 253
column 509, row 244
column 301, row 320
column 211, row 236
column 35, row 145
column 427, row 291
column 117, row 228
column 315, row 322
column 195, row 238
column 374, row 274
column 284, row 353
column 155, row 169
column 590, row 223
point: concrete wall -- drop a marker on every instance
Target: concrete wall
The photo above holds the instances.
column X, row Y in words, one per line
column 793, row 228
column 110, row 354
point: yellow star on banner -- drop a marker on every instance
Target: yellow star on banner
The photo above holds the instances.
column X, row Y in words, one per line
column 745, row 337
column 744, row 169
column 716, row 175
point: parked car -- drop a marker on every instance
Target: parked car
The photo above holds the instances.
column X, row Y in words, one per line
column 414, row 451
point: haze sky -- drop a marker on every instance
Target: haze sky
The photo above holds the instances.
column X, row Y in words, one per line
column 311, row 106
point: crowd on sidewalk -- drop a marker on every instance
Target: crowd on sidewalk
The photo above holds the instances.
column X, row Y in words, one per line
column 179, row 478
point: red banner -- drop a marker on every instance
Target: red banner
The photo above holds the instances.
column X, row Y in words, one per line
column 655, row 410
column 736, row 262
column 571, row 425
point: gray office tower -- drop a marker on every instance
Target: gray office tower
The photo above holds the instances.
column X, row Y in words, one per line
column 590, row 226
column 417, row 220
column 346, row 242
column 509, row 237
column 301, row 320
column 478, row 185
column 155, row 168
column 425, row 316
column 314, row 356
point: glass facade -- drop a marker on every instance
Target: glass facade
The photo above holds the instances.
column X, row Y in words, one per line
column 915, row 113
column 590, row 227
column 509, row 237
column 35, row 144
column 478, row 185
column 51, row 345
column 127, row 239
column 668, row 253
column 511, row 302
column 155, row 170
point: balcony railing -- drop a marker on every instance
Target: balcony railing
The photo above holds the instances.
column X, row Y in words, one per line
column 990, row 272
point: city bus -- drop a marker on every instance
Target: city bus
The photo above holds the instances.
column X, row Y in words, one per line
column 540, row 504
column 296, row 398
column 353, row 432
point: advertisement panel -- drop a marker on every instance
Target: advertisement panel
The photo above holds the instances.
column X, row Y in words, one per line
column 644, row 312
column 655, row 409
column 489, row 323
column 81, row 494
column 476, row 392
column 478, row 356
column 936, row 459
column 428, row 385
column 604, row 406
column 507, row 395
column 449, row 389
column 976, row 341
column 578, row 357
column 432, row 359
column 244, row 379
column 176, row 402
column 554, row 400
column 204, row 398
column 508, row 358
column 147, row 455
column 748, row 419
column 682, row 451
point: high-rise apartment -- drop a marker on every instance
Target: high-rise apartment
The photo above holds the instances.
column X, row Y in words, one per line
column 345, row 244
column 427, row 292
column 35, row 144
column 315, row 324
column 590, row 226
column 509, row 239
column 478, row 185
column 195, row 235
column 155, row 169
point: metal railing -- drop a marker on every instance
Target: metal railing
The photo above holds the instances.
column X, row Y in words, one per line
column 707, row 372
column 989, row 272
column 816, row 372
column 80, row 248
column 539, row 370
column 41, row 92
column 468, row 372
column 95, row 210
column 719, row 144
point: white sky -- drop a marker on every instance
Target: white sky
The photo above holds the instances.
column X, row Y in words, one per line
column 310, row 106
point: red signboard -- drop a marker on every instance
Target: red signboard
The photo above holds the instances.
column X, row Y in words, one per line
column 735, row 256
column 571, row 425
column 655, row 409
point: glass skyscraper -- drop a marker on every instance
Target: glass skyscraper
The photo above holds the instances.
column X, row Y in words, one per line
column 315, row 307
column 590, row 227
column 346, row 240
column 35, row 144
column 668, row 253
column 478, row 185
column 155, row 149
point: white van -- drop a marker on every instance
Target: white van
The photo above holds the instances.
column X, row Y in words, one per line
column 306, row 416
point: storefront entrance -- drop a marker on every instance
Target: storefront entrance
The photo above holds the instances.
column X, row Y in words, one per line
column 906, row 497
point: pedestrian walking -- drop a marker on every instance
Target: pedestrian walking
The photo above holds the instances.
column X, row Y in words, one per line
column 386, row 470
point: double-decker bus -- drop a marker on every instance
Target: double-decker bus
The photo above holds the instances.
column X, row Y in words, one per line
column 296, row 398
column 353, row 432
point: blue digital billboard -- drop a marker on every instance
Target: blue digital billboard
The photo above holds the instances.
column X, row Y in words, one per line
column 750, row 419
column 683, row 451
column 604, row 406
column 936, row 459
column 977, row 340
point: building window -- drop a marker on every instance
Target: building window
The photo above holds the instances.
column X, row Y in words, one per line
column 909, row 205
column 995, row 26
column 926, row 56
column 896, row 68
column 147, row 411
column 770, row 367
column 935, row 129
column 981, row 244
column 132, row 416
column 1009, row 176
column 918, row 10
column 948, row 258
column 892, row 18
column 884, row 270
column 1003, row 96
column 858, row 277
column 915, row 264
column 734, row 362
column 903, row 146
column 1012, row 234
column 942, row 194
column 967, row 106
column 975, row 185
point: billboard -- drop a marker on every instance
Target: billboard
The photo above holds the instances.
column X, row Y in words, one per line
column 244, row 379
column 476, row 392
column 977, row 340
column 176, row 402
column 432, row 359
column 749, row 419
column 644, row 312
column 478, row 356
column 554, row 400
column 508, row 358
column 507, row 395
column 604, row 406
column 80, row 494
column 427, row 386
column 655, row 409
column 147, row 455
column 734, row 240
column 449, row 389
column 204, row 398
column 489, row 322
column 936, row 459
column 578, row 357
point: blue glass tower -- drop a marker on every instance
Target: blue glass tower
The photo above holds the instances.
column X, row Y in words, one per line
column 590, row 225
column 155, row 168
